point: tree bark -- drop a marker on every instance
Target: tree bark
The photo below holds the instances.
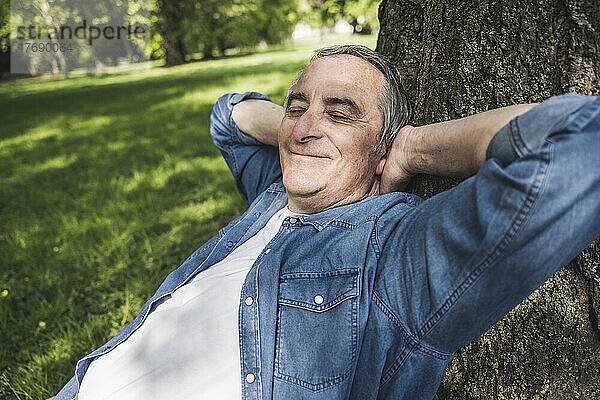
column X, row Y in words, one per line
column 207, row 51
column 460, row 58
column 170, row 28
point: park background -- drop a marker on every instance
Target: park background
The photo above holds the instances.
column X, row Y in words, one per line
column 109, row 180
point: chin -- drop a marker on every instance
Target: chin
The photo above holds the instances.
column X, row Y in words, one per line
column 299, row 185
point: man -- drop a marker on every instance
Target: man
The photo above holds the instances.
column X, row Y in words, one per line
column 333, row 285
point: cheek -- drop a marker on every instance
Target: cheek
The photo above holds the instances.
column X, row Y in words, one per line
column 359, row 154
column 361, row 162
column 283, row 129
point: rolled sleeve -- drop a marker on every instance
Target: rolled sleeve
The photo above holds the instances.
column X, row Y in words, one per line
column 528, row 131
column 254, row 165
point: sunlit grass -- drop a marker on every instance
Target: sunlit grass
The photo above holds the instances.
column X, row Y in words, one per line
column 106, row 185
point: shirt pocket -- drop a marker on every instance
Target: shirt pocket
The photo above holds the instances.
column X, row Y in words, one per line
column 317, row 323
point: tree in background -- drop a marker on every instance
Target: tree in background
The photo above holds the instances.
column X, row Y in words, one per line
column 168, row 16
column 211, row 26
column 43, row 21
column 4, row 25
column 362, row 15
column 271, row 21
column 323, row 14
column 183, row 28
column 208, row 19
column 4, row 38
column 461, row 58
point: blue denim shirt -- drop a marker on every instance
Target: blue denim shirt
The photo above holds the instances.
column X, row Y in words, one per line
column 403, row 282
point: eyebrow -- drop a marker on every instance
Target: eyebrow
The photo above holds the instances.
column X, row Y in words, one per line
column 344, row 101
column 296, row 96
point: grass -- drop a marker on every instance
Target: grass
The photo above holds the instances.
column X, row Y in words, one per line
column 106, row 185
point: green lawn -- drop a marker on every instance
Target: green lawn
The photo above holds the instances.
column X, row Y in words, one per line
column 106, row 185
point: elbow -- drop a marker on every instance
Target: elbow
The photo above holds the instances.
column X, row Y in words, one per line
column 219, row 120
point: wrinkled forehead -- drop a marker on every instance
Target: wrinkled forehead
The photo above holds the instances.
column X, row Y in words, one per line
column 342, row 75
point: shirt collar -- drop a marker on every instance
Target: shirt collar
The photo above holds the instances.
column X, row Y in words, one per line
column 323, row 219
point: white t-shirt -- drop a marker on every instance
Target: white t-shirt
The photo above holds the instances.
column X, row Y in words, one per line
column 188, row 347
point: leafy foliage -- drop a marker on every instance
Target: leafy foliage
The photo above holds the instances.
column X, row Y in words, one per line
column 325, row 13
column 4, row 25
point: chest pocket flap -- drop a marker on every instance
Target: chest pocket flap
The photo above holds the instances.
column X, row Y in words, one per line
column 318, row 291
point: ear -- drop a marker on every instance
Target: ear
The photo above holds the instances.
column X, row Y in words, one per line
column 379, row 169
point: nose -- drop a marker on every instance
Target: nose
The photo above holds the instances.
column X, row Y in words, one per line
column 307, row 127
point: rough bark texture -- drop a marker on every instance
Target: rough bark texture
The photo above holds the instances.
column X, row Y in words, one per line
column 170, row 28
column 460, row 58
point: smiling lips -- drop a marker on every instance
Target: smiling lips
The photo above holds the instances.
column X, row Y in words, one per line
column 307, row 155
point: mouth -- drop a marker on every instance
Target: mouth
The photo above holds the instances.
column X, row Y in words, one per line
column 307, row 155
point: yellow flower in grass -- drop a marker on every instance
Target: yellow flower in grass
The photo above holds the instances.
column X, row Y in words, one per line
column 4, row 293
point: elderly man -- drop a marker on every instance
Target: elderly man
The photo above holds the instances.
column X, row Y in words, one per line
column 334, row 284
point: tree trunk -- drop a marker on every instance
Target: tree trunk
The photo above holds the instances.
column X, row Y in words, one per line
column 207, row 51
column 460, row 58
column 170, row 29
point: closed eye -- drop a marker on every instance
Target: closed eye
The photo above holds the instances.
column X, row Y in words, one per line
column 295, row 111
column 335, row 115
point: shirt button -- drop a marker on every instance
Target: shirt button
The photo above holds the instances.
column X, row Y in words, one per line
column 249, row 301
column 257, row 214
column 319, row 299
column 229, row 243
column 250, row 378
column 293, row 220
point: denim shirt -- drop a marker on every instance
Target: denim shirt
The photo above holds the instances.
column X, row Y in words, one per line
column 370, row 300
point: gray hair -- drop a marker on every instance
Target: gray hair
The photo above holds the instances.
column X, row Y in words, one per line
column 394, row 103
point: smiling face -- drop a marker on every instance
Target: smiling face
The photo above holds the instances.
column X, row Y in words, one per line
column 327, row 137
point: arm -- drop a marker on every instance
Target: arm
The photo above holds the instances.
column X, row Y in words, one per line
column 451, row 148
column 259, row 118
column 467, row 256
column 254, row 165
